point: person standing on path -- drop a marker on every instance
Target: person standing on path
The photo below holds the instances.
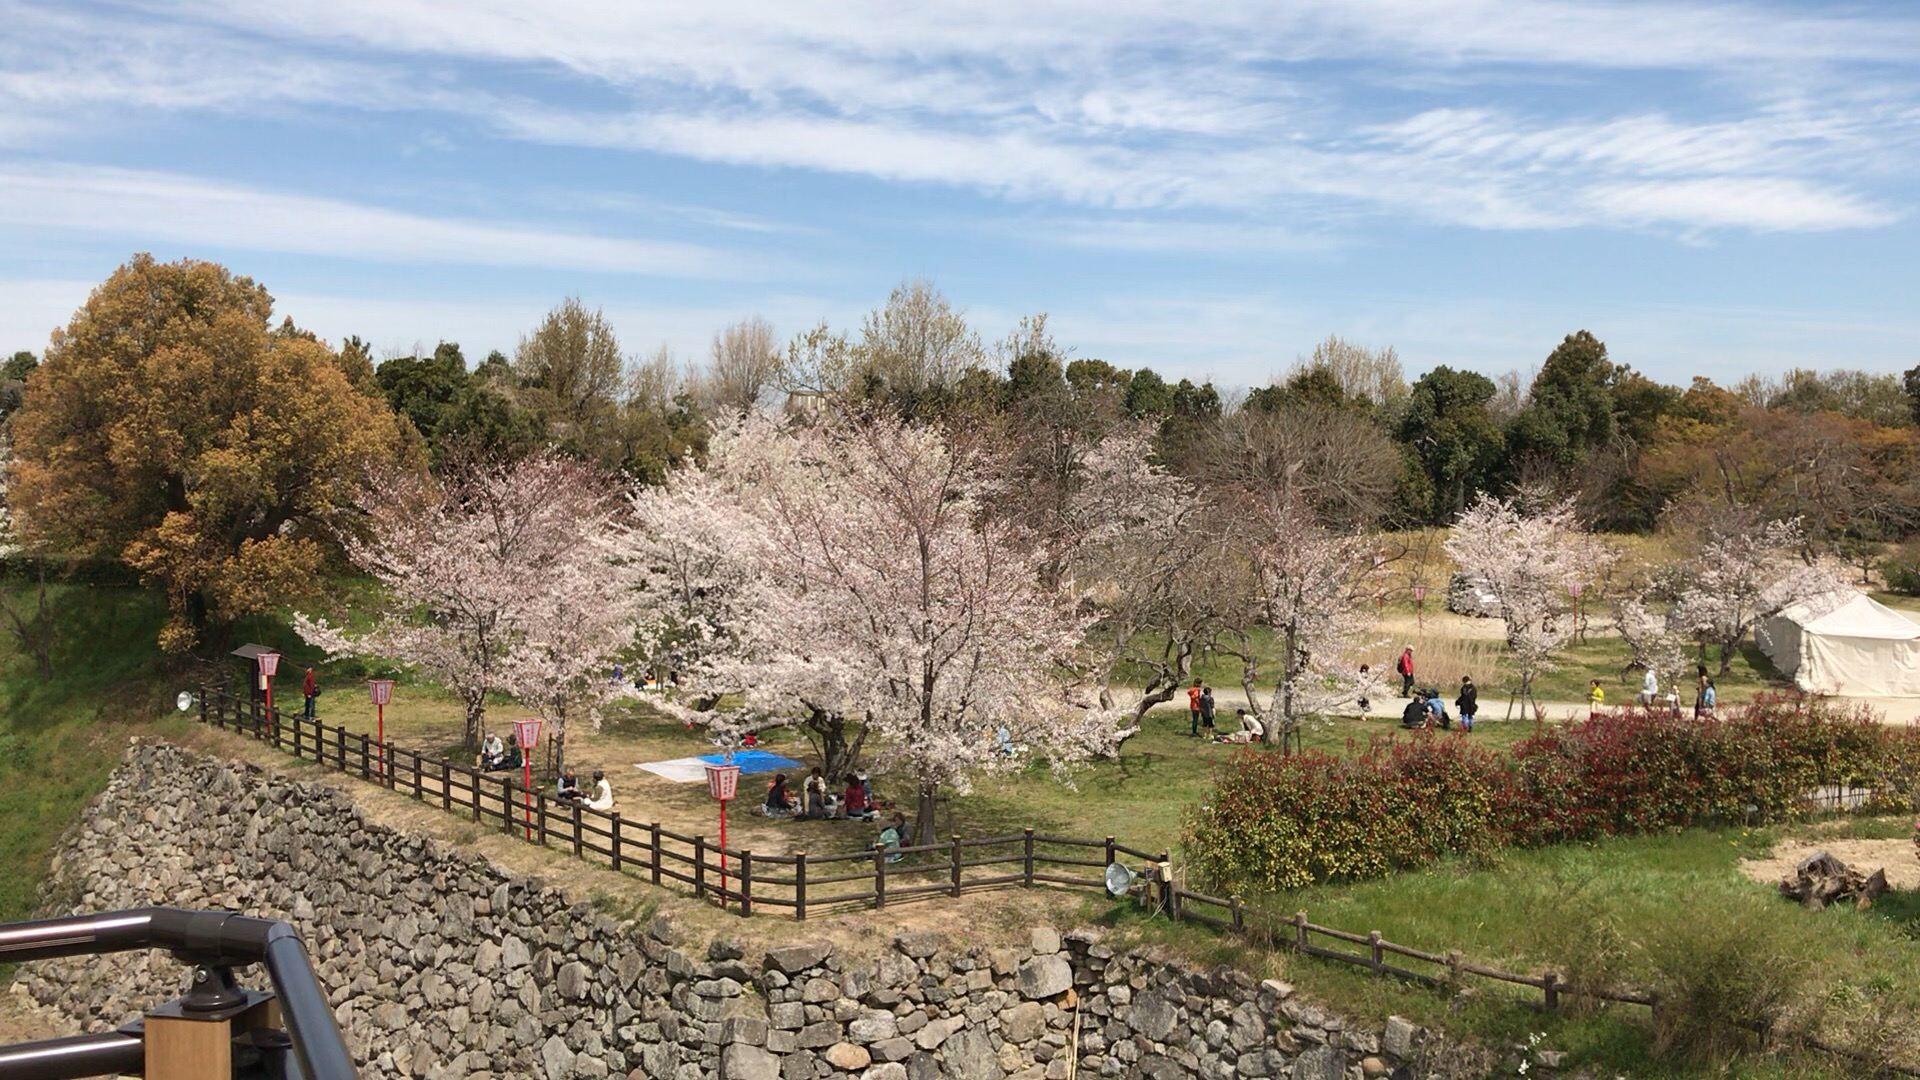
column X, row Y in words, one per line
column 1649, row 690
column 1206, row 710
column 1404, row 666
column 309, row 689
column 1596, row 699
column 1468, row 702
column 1193, row 708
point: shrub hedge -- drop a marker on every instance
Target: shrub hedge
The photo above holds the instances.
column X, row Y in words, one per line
column 1287, row 821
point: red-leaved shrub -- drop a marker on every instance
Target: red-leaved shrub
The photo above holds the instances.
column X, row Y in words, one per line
column 1284, row 822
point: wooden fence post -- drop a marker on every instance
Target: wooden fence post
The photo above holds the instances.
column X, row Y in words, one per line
column 446, row 784
column 540, row 816
column 506, row 805
column 577, row 843
column 879, row 876
column 956, row 866
column 1027, row 858
column 419, row 787
column 386, row 764
column 699, row 867
column 1112, row 856
column 473, row 786
column 1374, row 958
column 1550, row 984
column 614, row 844
column 296, row 737
column 746, row 883
column 340, row 746
column 1300, row 929
column 1453, row 969
column 1239, row 914
column 366, row 757
column 653, row 856
column 203, row 704
column 800, row 886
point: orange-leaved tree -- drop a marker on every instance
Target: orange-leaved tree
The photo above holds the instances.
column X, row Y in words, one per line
column 171, row 427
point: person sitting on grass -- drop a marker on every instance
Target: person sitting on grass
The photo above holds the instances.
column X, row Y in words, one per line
column 1415, row 715
column 492, row 753
column 569, row 789
column 813, row 794
column 892, row 836
column 602, row 798
column 1251, row 729
column 1437, row 709
column 779, row 802
column 857, row 803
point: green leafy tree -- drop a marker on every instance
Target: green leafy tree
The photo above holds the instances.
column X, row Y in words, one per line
column 1570, row 411
column 13, row 380
column 1453, row 437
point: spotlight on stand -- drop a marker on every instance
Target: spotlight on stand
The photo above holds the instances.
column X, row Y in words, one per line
column 185, row 701
column 1120, row 880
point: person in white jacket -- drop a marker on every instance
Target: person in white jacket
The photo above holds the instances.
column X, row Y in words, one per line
column 1649, row 690
column 602, row 799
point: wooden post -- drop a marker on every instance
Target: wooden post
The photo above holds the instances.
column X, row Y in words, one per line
column 296, row 738
column 614, row 844
column 699, row 867
column 1550, row 984
column 879, row 875
column 203, row 704
column 1027, row 858
column 1300, row 929
column 540, row 815
column 1373, row 950
column 1453, row 969
column 956, row 866
column 577, row 843
column 1163, row 869
column 386, row 763
column 800, row 886
column 746, row 883
column 506, row 805
column 340, row 747
column 419, row 787
column 473, row 786
column 1112, row 856
column 653, row 851
column 366, row 757
column 446, row 784
column 1239, row 914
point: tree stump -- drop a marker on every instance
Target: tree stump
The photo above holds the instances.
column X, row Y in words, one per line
column 1820, row 880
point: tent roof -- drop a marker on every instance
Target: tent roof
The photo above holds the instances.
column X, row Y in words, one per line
column 1861, row 616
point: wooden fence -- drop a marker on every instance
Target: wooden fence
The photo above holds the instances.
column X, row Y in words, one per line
column 737, row 878
column 801, row 883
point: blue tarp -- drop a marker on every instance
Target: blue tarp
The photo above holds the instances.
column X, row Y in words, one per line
column 754, row 761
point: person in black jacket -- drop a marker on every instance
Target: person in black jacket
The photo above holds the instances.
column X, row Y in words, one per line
column 1468, row 702
column 1416, row 714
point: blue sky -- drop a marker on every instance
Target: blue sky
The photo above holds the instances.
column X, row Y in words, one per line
column 1714, row 188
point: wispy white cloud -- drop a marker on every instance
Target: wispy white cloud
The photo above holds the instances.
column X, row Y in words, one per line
column 148, row 206
column 1758, row 202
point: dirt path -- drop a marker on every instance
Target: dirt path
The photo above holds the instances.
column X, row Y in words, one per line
column 1897, row 857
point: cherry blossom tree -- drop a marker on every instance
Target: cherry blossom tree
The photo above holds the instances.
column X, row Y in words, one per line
column 862, row 577
column 1656, row 640
column 1528, row 556
column 1744, row 570
column 475, row 569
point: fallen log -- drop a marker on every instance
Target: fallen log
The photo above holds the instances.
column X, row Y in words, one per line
column 1821, row 880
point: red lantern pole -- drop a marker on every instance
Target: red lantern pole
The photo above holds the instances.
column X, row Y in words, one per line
column 269, row 664
column 527, row 734
column 380, row 691
column 723, row 782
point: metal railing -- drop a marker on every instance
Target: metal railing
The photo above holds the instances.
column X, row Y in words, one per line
column 216, row 1028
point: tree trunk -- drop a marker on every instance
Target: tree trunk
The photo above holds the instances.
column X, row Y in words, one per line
column 1167, row 683
column 923, row 824
column 476, row 720
column 1726, row 657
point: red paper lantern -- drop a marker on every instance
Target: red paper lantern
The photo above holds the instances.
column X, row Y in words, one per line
column 269, row 664
column 723, row 781
column 380, row 690
column 527, row 734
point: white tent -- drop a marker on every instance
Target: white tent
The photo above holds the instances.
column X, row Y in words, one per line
column 1861, row 648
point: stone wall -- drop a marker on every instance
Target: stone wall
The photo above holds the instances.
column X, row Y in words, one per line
column 440, row 965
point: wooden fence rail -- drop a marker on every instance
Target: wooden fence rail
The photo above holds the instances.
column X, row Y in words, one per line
column 795, row 883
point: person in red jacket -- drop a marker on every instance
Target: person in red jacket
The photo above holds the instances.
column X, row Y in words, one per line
column 1194, row 693
column 309, row 689
column 1404, row 666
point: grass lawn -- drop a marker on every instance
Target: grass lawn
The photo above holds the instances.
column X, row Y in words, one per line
column 59, row 739
column 1646, row 912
